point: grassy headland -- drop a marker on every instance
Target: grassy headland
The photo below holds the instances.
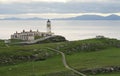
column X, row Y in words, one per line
column 36, row 60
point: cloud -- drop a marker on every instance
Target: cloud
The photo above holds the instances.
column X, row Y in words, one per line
column 99, row 1
column 64, row 1
column 29, row 1
column 43, row 7
column 40, row 7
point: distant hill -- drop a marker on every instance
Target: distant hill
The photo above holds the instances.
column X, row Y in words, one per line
column 83, row 17
column 92, row 17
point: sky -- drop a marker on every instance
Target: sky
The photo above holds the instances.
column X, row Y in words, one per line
column 57, row 8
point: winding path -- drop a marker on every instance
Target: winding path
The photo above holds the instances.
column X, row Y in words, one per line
column 65, row 62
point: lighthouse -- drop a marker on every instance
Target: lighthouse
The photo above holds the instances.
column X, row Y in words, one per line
column 32, row 35
column 48, row 26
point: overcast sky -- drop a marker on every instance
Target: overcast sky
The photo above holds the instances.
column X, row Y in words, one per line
column 57, row 8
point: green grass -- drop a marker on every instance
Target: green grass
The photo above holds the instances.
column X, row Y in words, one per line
column 97, row 53
column 73, row 46
column 29, row 68
column 2, row 44
column 109, row 57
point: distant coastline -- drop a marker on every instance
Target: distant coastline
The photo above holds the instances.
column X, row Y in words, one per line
column 83, row 17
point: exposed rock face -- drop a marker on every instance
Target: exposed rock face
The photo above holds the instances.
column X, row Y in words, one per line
column 88, row 71
column 103, row 70
column 53, row 39
column 10, row 59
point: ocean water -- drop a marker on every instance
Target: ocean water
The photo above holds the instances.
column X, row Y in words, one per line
column 71, row 29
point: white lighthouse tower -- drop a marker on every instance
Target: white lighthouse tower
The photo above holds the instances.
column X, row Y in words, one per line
column 49, row 26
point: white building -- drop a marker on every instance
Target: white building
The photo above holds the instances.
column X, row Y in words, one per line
column 31, row 35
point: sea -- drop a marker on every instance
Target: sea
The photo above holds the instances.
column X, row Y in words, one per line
column 70, row 29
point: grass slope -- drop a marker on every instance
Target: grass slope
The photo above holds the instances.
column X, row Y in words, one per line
column 97, row 59
column 31, row 68
column 20, row 60
column 108, row 57
column 2, row 44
